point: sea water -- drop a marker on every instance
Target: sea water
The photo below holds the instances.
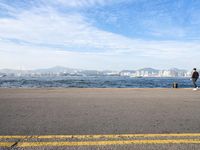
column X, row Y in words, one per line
column 93, row 82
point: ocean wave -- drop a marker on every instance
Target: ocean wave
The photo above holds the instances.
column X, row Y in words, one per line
column 93, row 82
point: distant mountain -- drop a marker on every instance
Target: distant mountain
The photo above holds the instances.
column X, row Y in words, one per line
column 150, row 70
column 8, row 71
column 66, row 70
column 92, row 72
column 57, row 69
column 15, row 71
column 131, row 71
column 178, row 70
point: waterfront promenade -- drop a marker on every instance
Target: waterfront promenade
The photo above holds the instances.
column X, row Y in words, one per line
column 100, row 118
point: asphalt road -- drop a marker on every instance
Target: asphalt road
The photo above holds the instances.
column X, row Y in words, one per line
column 101, row 111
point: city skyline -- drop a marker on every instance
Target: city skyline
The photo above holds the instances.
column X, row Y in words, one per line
column 63, row 71
column 67, row 67
column 99, row 34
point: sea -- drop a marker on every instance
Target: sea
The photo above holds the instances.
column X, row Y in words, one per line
column 93, row 82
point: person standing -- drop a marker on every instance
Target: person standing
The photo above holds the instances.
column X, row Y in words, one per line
column 195, row 76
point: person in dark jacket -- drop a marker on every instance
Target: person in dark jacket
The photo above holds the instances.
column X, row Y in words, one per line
column 195, row 76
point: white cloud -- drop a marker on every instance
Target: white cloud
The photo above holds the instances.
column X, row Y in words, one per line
column 52, row 38
column 79, row 3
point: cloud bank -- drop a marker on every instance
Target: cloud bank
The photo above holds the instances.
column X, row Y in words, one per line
column 45, row 36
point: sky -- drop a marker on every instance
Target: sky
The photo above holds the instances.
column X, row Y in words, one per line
column 100, row 34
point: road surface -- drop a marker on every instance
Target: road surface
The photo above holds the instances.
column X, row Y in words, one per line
column 100, row 118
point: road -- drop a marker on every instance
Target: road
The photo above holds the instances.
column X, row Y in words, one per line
column 131, row 118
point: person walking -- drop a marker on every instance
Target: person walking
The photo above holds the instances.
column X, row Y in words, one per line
column 195, row 76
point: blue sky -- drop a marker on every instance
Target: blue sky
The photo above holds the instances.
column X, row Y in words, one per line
column 100, row 34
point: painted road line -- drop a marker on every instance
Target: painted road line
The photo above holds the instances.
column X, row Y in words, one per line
column 6, row 144
column 109, row 136
column 105, row 143
column 14, row 137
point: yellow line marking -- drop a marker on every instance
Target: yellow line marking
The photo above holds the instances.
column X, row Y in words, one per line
column 14, row 137
column 104, row 143
column 6, row 144
column 111, row 136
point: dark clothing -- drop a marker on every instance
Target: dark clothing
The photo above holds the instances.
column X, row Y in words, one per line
column 194, row 82
column 195, row 75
